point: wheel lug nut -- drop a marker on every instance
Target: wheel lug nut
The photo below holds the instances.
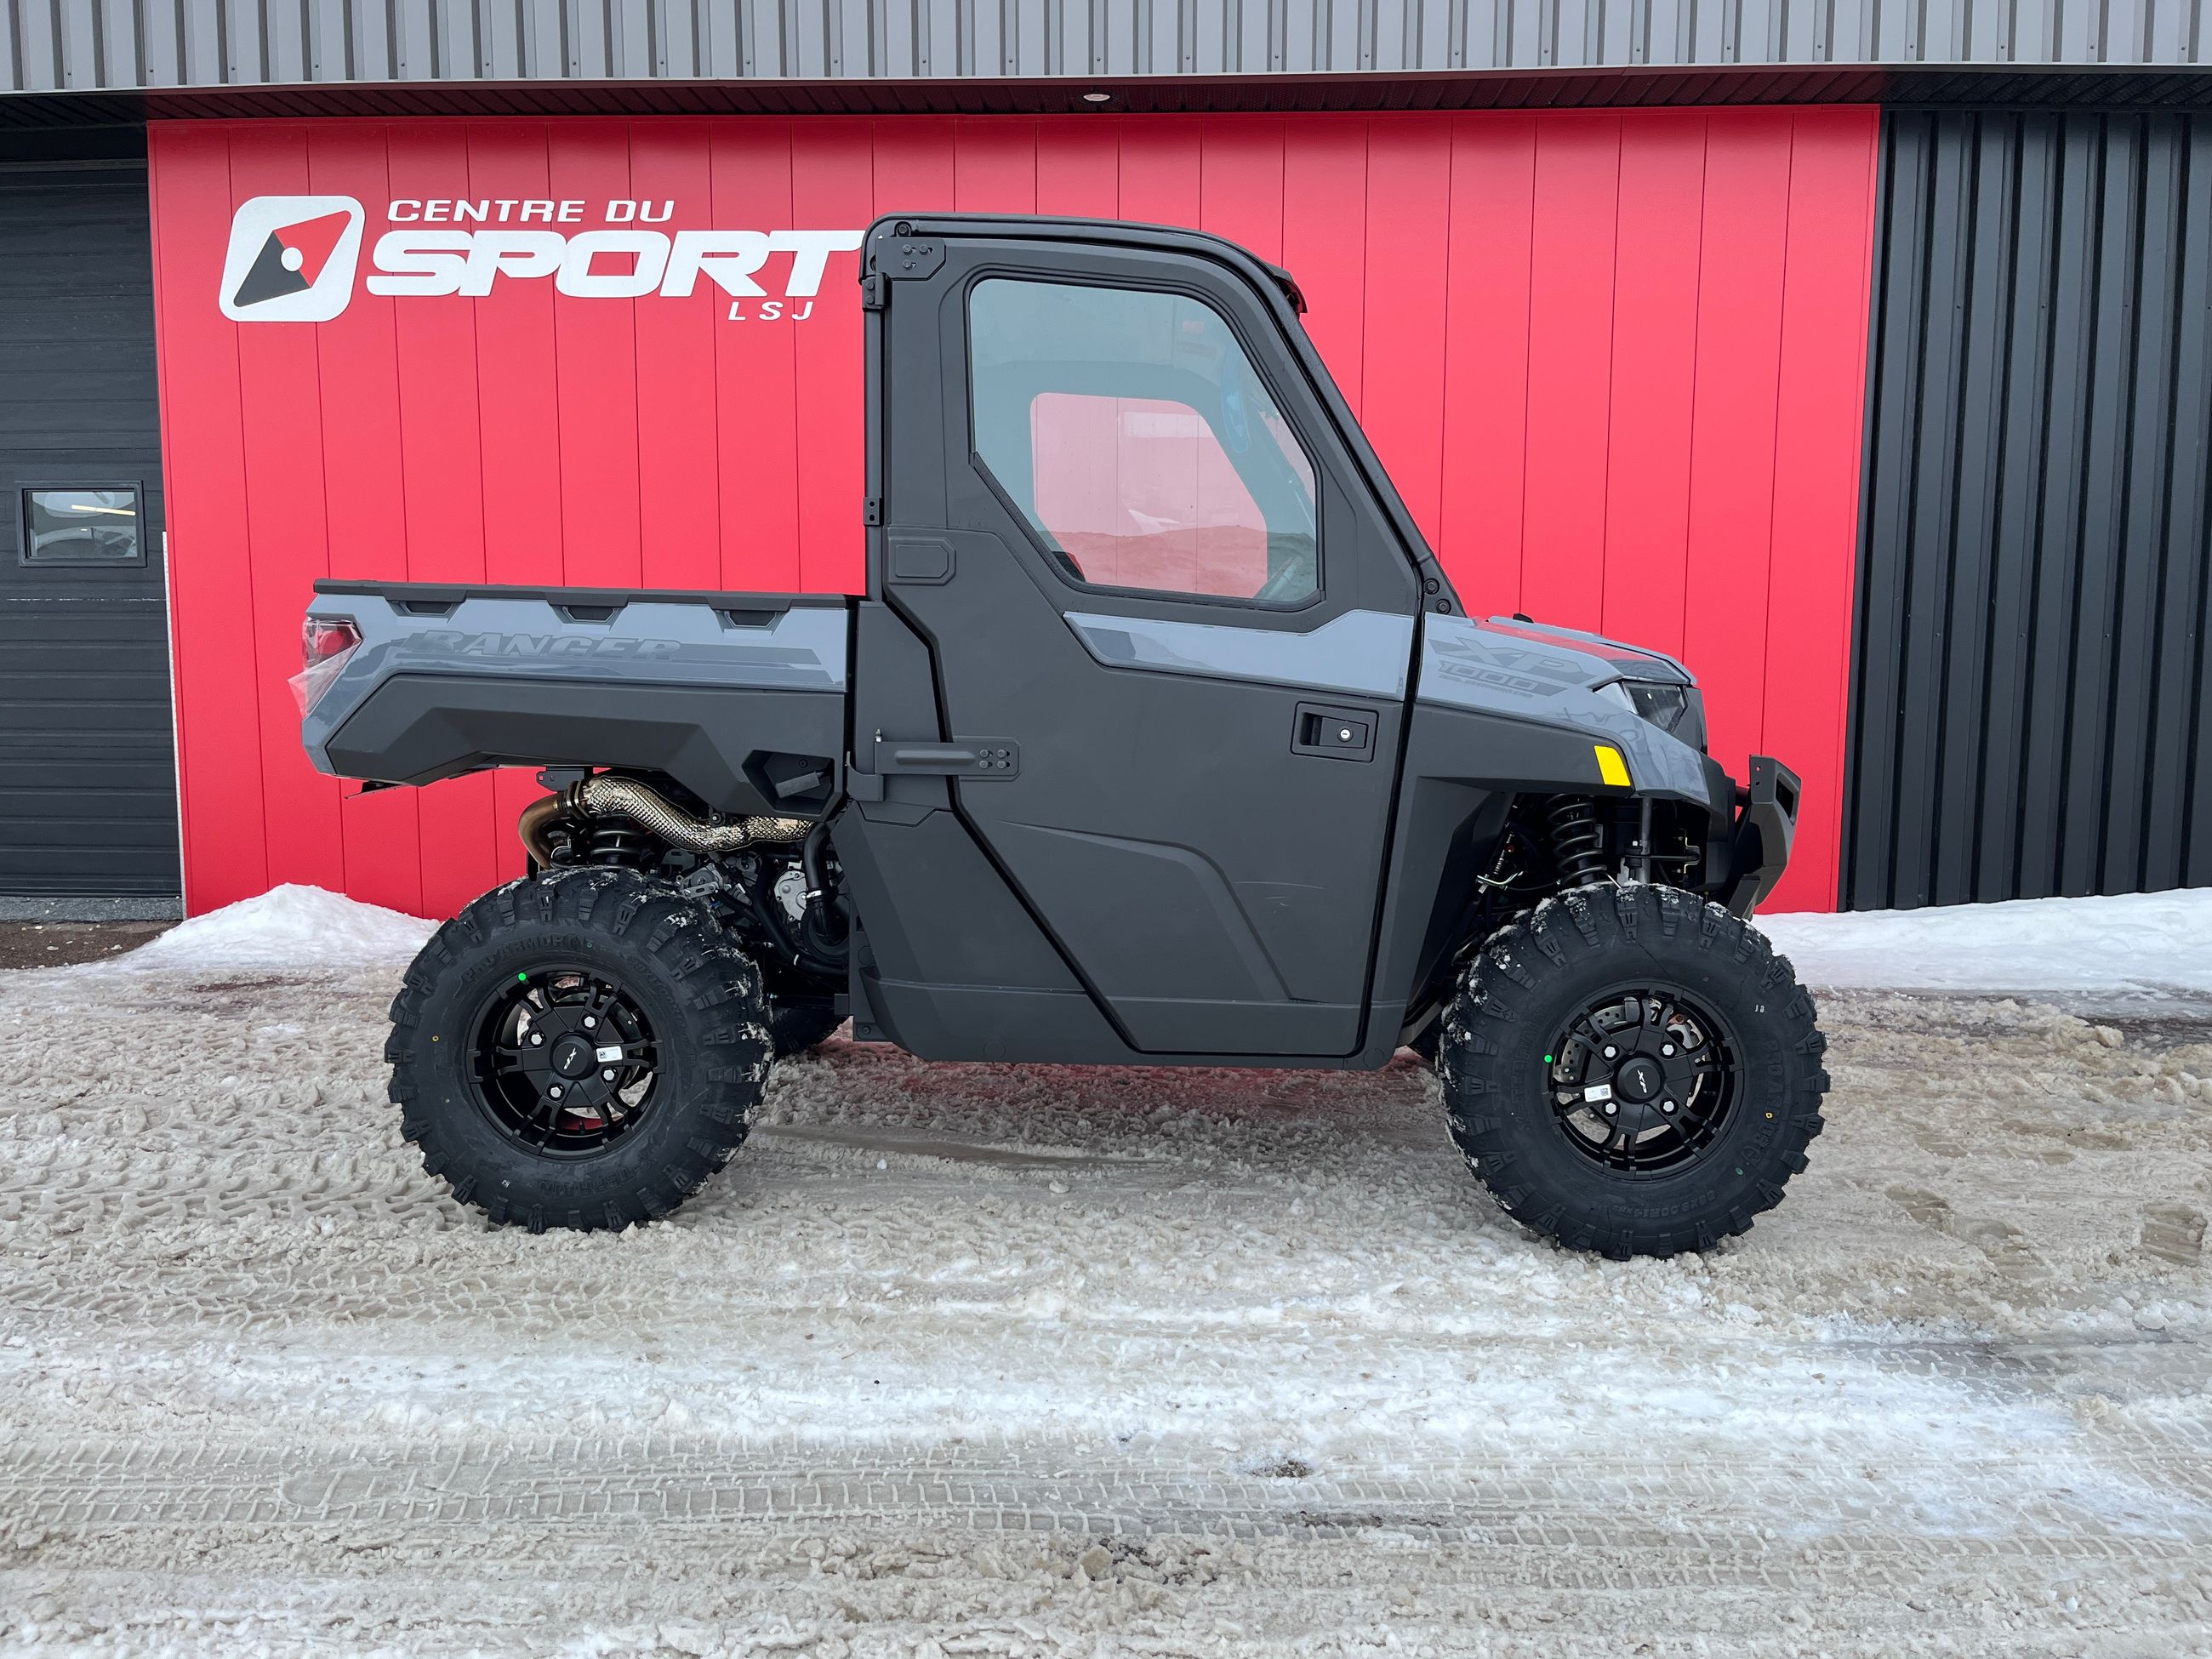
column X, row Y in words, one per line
column 1610, row 1051
column 554, row 1091
column 1666, row 1049
column 537, row 1037
column 1610, row 1109
column 609, row 1076
column 590, row 1022
column 1666, row 1106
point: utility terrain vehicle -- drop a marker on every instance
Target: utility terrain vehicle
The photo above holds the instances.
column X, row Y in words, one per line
column 1159, row 739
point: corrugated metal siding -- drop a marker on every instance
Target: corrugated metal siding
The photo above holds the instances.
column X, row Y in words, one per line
column 2030, row 679
column 85, row 743
column 81, row 44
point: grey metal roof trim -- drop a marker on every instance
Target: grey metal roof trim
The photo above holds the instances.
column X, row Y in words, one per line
column 60, row 45
column 2037, row 87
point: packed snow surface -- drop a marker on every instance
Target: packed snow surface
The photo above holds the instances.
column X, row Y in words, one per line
column 1049, row 1360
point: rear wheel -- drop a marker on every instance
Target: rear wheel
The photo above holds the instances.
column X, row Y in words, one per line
column 1632, row 1071
column 581, row 1049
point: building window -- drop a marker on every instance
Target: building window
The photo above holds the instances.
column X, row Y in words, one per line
column 81, row 524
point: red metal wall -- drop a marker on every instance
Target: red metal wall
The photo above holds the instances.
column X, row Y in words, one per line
column 1613, row 361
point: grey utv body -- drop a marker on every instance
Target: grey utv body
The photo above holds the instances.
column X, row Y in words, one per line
column 1074, row 822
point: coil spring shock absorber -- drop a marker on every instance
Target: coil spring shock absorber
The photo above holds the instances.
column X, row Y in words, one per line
column 1577, row 843
column 615, row 842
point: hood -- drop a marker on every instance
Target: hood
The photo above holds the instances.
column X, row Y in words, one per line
column 1552, row 677
column 1632, row 662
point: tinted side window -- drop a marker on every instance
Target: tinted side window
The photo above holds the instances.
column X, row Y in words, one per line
column 1130, row 429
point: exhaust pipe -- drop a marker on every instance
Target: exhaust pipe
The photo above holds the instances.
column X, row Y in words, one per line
column 603, row 796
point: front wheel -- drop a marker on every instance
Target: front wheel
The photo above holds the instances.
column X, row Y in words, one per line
column 581, row 1049
column 1633, row 1070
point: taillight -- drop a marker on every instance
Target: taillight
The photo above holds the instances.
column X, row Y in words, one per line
column 325, row 636
column 325, row 642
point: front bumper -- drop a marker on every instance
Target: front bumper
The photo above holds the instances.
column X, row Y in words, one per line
column 1765, row 824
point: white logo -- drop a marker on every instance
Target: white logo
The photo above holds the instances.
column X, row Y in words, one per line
column 604, row 264
column 291, row 259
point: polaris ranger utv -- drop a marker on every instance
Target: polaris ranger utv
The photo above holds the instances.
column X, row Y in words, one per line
column 1159, row 739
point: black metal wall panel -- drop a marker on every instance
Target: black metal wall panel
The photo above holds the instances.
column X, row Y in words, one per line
column 2028, row 696
column 86, row 750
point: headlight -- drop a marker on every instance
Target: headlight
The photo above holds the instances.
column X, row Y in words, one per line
column 325, row 643
column 1677, row 710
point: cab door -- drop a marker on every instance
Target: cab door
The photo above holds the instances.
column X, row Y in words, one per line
column 1171, row 636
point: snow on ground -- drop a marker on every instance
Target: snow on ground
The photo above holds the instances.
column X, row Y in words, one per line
column 2145, row 943
column 1041, row 1360
column 2154, row 942
column 288, row 927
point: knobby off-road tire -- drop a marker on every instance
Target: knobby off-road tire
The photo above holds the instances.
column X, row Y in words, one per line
column 799, row 1023
column 549, row 956
column 1636, row 970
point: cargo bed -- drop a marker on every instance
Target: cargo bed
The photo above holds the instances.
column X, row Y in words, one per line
column 738, row 696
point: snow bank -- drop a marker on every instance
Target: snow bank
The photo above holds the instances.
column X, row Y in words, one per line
column 2130, row 942
column 289, row 927
column 2134, row 942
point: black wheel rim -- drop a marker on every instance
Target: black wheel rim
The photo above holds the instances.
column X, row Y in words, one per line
column 1643, row 1080
column 565, row 1063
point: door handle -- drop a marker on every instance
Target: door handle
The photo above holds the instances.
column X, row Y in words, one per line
column 970, row 760
column 1333, row 732
column 970, row 757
